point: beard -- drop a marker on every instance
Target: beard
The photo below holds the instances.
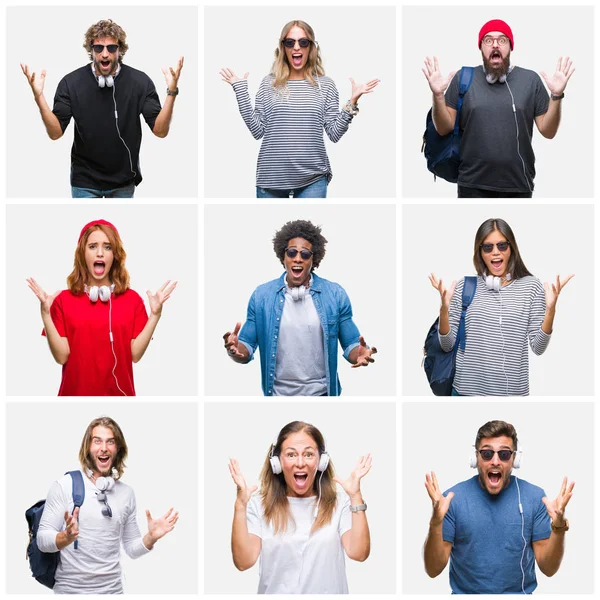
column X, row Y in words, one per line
column 496, row 70
column 113, row 66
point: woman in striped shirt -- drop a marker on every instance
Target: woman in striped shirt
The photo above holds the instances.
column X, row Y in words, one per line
column 510, row 308
column 294, row 103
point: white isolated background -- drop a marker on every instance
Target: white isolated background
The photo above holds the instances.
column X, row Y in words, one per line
column 549, row 454
column 161, row 244
column 355, row 41
column 360, row 256
column 564, row 165
column 51, row 38
column 43, row 447
column 350, row 431
column 552, row 239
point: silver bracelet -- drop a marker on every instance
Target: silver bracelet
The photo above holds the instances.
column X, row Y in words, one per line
column 351, row 109
column 358, row 508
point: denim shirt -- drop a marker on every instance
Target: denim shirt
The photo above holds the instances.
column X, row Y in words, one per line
column 263, row 320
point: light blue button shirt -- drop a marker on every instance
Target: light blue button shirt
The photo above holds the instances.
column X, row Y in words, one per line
column 263, row 321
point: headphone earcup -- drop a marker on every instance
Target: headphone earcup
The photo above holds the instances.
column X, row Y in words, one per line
column 275, row 464
column 104, row 293
column 517, row 461
column 110, row 81
column 101, row 81
column 105, row 484
column 323, row 462
column 473, row 461
column 93, row 293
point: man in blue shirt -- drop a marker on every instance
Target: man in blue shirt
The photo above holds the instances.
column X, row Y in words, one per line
column 296, row 320
column 495, row 527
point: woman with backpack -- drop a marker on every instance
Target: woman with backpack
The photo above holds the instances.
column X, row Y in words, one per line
column 294, row 103
column 511, row 309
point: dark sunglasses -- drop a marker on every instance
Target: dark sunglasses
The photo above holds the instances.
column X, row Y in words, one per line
column 99, row 48
column 106, row 510
column 293, row 252
column 503, row 455
column 502, row 246
column 302, row 42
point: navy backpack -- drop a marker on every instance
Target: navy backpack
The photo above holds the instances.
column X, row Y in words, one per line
column 43, row 564
column 440, row 366
column 443, row 152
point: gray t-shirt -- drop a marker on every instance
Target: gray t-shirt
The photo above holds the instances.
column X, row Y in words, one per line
column 489, row 154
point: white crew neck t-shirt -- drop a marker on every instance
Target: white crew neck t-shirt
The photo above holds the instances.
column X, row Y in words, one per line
column 296, row 562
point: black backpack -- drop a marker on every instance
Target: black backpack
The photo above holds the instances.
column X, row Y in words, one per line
column 440, row 366
column 43, row 564
column 443, row 152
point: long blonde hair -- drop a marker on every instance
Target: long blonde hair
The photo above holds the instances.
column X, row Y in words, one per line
column 276, row 507
column 281, row 68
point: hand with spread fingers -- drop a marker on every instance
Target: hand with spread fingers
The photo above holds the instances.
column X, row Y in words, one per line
column 553, row 290
column 556, row 508
column 558, row 82
column 44, row 298
column 72, row 525
column 158, row 298
column 362, row 355
column 36, row 82
column 172, row 75
column 445, row 293
column 358, row 89
column 352, row 484
column 230, row 77
column 159, row 527
column 244, row 493
column 437, row 82
column 440, row 503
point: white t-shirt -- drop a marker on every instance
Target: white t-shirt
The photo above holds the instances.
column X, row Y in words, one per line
column 94, row 567
column 296, row 562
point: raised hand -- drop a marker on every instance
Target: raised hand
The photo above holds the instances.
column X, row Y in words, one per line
column 243, row 491
column 159, row 527
column 36, row 83
column 556, row 508
column 44, row 298
column 445, row 293
column 352, row 484
column 158, row 298
column 358, row 89
column 437, row 82
column 72, row 525
column 172, row 75
column 439, row 502
column 231, row 341
column 553, row 290
column 558, row 82
column 363, row 355
column 230, row 77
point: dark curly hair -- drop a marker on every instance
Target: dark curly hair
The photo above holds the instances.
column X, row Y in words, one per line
column 300, row 229
column 106, row 29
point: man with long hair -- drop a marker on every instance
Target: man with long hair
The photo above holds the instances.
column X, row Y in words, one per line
column 89, row 538
column 494, row 527
column 497, row 116
column 106, row 99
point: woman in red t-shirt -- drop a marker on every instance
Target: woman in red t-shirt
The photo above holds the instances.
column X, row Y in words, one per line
column 98, row 327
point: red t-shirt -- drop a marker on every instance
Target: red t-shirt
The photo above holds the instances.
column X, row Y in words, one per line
column 89, row 369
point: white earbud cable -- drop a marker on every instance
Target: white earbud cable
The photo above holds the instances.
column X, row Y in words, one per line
column 517, row 124
column 112, row 346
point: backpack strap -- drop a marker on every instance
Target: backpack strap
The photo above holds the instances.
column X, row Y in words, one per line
column 78, row 491
column 468, row 293
column 466, row 76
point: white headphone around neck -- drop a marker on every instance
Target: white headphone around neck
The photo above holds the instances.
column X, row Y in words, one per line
column 107, row 81
column 103, row 292
column 276, row 463
column 495, row 283
column 516, row 463
column 104, row 484
column 494, row 78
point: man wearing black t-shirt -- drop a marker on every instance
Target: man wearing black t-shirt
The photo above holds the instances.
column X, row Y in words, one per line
column 497, row 116
column 106, row 99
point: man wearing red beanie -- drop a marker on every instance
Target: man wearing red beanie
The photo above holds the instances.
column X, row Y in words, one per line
column 497, row 116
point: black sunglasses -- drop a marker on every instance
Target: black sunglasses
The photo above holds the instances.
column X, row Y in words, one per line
column 487, row 454
column 99, row 48
column 302, row 42
column 293, row 252
column 502, row 246
column 106, row 510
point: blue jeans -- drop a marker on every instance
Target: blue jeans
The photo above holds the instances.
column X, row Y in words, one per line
column 122, row 192
column 317, row 189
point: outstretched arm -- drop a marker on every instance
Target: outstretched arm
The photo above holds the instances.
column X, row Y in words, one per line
column 553, row 290
column 163, row 120
column 36, row 83
column 436, row 551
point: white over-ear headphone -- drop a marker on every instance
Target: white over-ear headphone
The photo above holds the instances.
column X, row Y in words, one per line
column 495, row 283
column 516, row 462
column 103, row 292
column 107, row 81
column 276, row 463
column 105, row 484
column 494, row 78
column 298, row 292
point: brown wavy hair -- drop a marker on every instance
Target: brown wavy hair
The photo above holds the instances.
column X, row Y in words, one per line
column 493, row 429
column 516, row 267
column 281, row 68
column 276, row 507
column 122, row 451
column 106, row 28
column 118, row 274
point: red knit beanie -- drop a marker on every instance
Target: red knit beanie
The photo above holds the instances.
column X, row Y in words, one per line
column 97, row 222
column 496, row 25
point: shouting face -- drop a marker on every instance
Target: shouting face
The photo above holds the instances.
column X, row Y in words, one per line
column 494, row 474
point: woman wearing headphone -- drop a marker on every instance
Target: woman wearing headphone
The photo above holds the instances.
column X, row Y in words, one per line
column 510, row 309
column 98, row 327
column 298, row 523
column 295, row 102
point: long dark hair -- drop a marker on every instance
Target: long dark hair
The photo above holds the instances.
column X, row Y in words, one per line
column 516, row 266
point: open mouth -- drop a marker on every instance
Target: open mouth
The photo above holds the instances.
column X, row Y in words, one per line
column 297, row 59
column 497, row 264
column 105, row 64
column 494, row 477
column 104, row 460
column 297, row 271
column 495, row 55
column 301, row 479
column 99, row 267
